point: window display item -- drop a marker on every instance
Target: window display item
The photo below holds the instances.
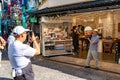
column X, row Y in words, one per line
column 55, row 41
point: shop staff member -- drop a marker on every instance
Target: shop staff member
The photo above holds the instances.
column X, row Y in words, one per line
column 20, row 54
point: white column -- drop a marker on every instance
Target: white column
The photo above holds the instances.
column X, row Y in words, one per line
column 74, row 21
column 110, row 23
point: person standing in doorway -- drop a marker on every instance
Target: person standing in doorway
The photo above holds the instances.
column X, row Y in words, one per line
column 20, row 54
column 75, row 39
column 92, row 52
column 81, row 29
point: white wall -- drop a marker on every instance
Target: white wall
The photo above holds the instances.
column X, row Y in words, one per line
column 56, row 20
column 116, row 21
column 54, row 3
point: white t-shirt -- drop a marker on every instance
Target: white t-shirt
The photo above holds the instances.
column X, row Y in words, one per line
column 20, row 54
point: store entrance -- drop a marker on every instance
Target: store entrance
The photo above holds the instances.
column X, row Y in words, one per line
column 107, row 24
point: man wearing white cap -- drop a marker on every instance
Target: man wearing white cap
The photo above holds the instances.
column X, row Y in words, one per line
column 92, row 52
column 20, row 54
column 88, row 34
column 88, row 31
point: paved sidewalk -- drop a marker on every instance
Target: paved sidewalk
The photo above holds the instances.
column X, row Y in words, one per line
column 45, row 69
column 81, row 62
column 51, row 70
column 42, row 72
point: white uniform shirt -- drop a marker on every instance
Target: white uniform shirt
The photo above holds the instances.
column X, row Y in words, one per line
column 20, row 54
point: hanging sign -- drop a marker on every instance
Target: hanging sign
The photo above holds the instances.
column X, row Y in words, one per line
column 33, row 19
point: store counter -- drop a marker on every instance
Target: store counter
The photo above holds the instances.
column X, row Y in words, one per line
column 59, row 44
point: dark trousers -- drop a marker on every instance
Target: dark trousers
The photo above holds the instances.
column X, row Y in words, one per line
column 76, row 45
column 27, row 73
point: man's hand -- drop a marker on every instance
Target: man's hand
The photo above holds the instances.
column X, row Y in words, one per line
column 1, row 47
column 91, row 42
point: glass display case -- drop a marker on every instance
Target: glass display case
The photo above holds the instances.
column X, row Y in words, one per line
column 55, row 41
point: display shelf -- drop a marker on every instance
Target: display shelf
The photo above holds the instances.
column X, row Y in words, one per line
column 55, row 40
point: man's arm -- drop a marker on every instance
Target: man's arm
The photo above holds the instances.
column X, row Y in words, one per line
column 3, row 42
column 35, row 44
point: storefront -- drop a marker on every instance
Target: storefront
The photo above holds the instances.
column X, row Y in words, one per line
column 101, row 15
column 107, row 23
column 55, row 36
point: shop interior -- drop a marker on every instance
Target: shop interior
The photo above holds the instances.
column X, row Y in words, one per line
column 57, row 33
column 107, row 24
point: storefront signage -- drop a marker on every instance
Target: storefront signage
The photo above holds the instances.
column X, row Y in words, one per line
column 33, row 19
column 56, row 20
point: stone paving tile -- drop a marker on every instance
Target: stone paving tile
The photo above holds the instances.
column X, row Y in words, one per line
column 41, row 73
column 81, row 62
column 50, row 70
column 76, row 71
column 51, row 74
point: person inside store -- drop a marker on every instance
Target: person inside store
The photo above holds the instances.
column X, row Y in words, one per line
column 75, row 39
column 88, row 34
column 81, row 29
column 2, row 45
column 19, row 54
column 92, row 52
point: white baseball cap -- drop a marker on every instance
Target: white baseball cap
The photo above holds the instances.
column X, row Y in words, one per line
column 19, row 30
column 87, row 28
column 95, row 30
